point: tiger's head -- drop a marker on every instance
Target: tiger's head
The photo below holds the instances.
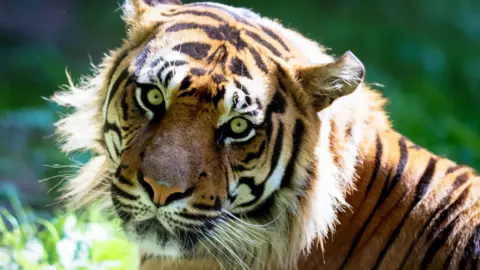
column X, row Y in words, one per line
column 206, row 133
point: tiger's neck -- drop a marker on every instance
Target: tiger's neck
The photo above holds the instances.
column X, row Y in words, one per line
column 391, row 175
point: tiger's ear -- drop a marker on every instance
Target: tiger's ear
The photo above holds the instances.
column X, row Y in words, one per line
column 327, row 82
column 132, row 9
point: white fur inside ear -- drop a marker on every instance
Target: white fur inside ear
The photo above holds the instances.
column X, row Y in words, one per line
column 347, row 71
column 328, row 82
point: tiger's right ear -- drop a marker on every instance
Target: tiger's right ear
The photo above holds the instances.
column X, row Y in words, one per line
column 133, row 9
column 328, row 82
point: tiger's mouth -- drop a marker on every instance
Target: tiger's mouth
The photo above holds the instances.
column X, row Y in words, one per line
column 165, row 236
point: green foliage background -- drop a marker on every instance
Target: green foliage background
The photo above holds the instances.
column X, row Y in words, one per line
column 424, row 52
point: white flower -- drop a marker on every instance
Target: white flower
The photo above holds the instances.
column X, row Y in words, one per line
column 72, row 253
column 69, row 224
column 96, row 232
column 6, row 260
column 33, row 251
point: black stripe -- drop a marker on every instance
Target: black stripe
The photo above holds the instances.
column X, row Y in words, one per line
column 219, row 78
column 219, row 95
column 280, row 68
column 124, row 180
column 184, row 26
column 198, row 71
column 264, row 43
column 297, row 137
column 424, row 183
column 107, row 126
column 223, row 32
column 275, row 37
column 116, row 85
column 443, row 217
column 238, row 67
column 195, row 50
column 360, row 233
column 233, row 14
column 120, row 209
column 244, row 89
column 179, row 195
column 185, row 84
column 123, row 101
column 471, row 253
column 257, row 191
column 124, row 105
column 448, row 260
column 206, row 207
column 438, row 243
column 196, row 13
column 422, row 188
column 402, row 164
column 117, row 202
column 377, row 164
column 258, row 59
column 153, row 3
column 238, row 168
column 414, row 146
column 220, row 56
column 264, row 211
column 117, row 191
column 444, row 213
column 155, row 62
column 190, row 93
column 277, row 150
column 447, row 213
column 259, row 103
column 141, row 59
column 115, row 65
column 235, row 98
column 194, row 216
column 172, row 63
column 455, row 168
column 168, row 78
column 278, row 103
column 205, row 95
column 255, row 155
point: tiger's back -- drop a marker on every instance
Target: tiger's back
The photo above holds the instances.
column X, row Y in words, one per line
column 324, row 172
column 411, row 210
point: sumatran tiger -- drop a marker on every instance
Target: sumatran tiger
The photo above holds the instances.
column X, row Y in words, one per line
column 224, row 140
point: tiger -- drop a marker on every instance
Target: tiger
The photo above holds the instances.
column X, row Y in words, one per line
column 224, row 140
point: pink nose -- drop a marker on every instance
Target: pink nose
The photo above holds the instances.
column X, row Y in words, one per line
column 162, row 192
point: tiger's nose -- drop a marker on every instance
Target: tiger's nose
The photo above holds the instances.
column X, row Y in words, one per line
column 162, row 195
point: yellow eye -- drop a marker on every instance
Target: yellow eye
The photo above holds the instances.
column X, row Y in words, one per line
column 238, row 125
column 155, row 97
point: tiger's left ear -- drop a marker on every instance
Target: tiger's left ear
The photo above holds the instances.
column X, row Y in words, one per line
column 327, row 82
column 132, row 9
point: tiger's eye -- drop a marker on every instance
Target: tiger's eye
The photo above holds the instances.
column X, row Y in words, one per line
column 155, row 97
column 238, row 125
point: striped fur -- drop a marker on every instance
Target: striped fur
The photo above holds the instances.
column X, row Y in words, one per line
column 319, row 181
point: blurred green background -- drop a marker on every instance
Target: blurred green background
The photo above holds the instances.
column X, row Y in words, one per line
column 425, row 52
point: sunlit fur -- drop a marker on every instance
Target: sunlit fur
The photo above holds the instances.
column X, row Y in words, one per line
column 359, row 195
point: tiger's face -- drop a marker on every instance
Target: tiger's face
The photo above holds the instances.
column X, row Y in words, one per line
column 209, row 121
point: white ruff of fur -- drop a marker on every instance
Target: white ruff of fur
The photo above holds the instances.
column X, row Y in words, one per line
column 81, row 131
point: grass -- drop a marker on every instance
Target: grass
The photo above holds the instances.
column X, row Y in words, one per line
column 68, row 240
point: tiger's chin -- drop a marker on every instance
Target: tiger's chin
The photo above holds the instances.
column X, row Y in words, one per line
column 156, row 241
